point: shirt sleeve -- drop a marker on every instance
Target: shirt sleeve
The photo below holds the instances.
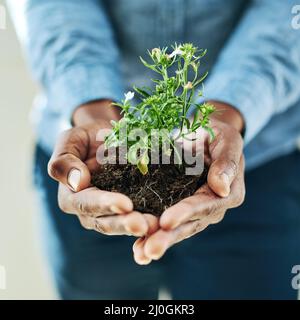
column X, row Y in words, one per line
column 71, row 49
column 258, row 70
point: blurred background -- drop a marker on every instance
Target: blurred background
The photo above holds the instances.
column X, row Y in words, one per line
column 23, row 273
column 20, row 255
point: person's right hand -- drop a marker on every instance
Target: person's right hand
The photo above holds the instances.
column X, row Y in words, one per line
column 71, row 164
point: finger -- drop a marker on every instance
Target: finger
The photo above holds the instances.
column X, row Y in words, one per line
column 138, row 246
column 196, row 207
column 158, row 243
column 153, row 223
column 225, row 153
column 66, row 164
column 136, row 224
column 131, row 224
column 93, row 202
column 138, row 252
column 238, row 189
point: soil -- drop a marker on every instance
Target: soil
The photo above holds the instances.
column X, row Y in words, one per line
column 163, row 186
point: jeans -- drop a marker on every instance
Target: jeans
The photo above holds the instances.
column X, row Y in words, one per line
column 249, row 255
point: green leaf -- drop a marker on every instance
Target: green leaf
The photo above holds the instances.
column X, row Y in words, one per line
column 132, row 155
column 211, row 133
column 196, row 117
column 143, row 163
column 150, row 66
column 187, row 122
column 201, row 79
column 142, row 92
column 196, row 126
column 143, row 168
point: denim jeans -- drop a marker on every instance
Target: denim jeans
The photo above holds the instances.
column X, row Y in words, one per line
column 249, row 255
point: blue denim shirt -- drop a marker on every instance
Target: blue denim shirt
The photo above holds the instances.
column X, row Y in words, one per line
column 86, row 50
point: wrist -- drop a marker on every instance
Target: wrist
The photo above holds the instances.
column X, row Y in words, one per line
column 229, row 115
column 95, row 110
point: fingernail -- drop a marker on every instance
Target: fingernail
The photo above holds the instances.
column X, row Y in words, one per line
column 136, row 229
column 156, row 256
column 154, row 253
column 136, row 233
column 143, row 262
column 116, row 209
column 74, row 178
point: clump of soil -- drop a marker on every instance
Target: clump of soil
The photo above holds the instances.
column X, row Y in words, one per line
column 163, row 186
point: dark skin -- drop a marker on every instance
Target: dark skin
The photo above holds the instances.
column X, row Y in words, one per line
column 112, row 213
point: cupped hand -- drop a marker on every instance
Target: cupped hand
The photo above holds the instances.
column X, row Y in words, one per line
column 225, row 189
column 71, row 164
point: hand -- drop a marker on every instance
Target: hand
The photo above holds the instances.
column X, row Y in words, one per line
column 71, row 164
column 224, row 189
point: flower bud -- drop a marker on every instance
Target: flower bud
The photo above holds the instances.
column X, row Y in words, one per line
column 156, row 53
column 188, row 86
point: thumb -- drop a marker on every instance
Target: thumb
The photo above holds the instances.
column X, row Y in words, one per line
column 226, row 152
column 66, row 164
column 220, row 176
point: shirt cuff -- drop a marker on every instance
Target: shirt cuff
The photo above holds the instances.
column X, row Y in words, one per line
column 249, row 93
column 82, row 84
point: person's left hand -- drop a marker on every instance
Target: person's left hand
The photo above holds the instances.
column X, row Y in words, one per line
column 224, row 189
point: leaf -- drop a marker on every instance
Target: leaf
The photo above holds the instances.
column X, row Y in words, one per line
column 196, row 117
column 132, row 155
column 141, row 92
column 196, row 126
column 112, row 140
column 148, row 65
column 187, row 123
column 200, row 79
column 143, row 168
column 143, row 163
column 211, row 133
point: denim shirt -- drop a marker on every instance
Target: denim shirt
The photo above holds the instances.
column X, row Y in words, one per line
column 81, row 51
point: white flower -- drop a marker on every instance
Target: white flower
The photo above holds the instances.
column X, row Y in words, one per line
column 176, row 52
column 188, row 86
column 129, row 96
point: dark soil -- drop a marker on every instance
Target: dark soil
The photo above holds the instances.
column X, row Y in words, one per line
column 163, row 186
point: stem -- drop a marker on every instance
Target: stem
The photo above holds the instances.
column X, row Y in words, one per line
column 174, row 148
column 190, row 99
column 166, row 77
column 185, row 78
